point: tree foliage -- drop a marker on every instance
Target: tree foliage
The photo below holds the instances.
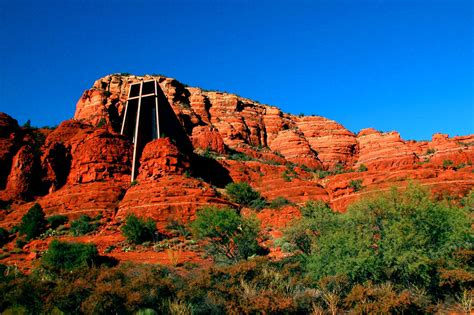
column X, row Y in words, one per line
column 139, row 230
column 33, row 223
column 67, row 256
column 302, row 233
column 399, row 237
column 56, row 220
column 230, row 236
column 83, row 225
column 244, row 194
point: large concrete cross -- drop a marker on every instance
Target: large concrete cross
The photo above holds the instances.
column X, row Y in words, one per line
column 141, row 118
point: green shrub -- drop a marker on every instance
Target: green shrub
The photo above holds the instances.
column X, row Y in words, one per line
column 83, row 225
column 230, row 237
column 209, row 154
column 245, row 195
column 356, row 184
column 57, row 220
column 33, row 222
column 109, row 249
column 405, row 238
column 316, row 210
column 363, row 168
column 430, row 151
column 139, row 230
column 338, row 169
column 239, row 156
column 4, row 236
column 66, row 256
column 279, row 202
column 178, row 227
column 302, row 232
column 27, row 124
column 258, row 204
column 447, row 163
column 323, row 173
column 286, row 177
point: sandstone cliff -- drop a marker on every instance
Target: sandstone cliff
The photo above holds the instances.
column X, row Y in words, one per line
column 211, row 139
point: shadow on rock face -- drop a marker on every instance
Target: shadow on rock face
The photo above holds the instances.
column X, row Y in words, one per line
column 170, row 125
column 210, row 170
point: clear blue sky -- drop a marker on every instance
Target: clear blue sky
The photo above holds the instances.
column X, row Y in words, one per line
column 391, row 65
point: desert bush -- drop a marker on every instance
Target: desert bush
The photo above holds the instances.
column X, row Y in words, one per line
column 129, row 288
column 67, row 256
column 397, row 237
column 230, row 237
column 447, row 164
column 83, row 225
column 302, row 232
column 56, row 220
column 430, row 151
column 381, row 298
column 138, row 230
column 178, row 227
column 21, row 295
column 239, row 156
column 256, row 286
column 356, row 184
column 279, row 202
column 258, row 204
column 244, row 194
column 363, row 168
column 33, row 223
column 286, row 177
column 323, row 173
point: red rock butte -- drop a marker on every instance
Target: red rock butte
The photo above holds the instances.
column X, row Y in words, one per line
column 210, row 139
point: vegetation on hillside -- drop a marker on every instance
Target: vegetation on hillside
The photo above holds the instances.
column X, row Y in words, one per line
column 33, row 223
column 245, row 195
column 399, row 252
column 229, row 236
column 138, row 230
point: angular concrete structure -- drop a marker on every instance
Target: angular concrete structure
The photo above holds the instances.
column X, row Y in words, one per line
column 141, row 118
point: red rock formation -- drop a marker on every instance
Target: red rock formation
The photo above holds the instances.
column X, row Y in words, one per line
column 295, row 148
column 99, row 156
column 204, row 137
column 277, row 181
column 384, row 150
column 162, row 190
column 85, row 169
column 244, row 125
column 161, row 158
column 333, row 143
column 20, row 180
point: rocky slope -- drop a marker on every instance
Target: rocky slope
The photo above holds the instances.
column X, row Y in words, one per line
column 211, row 139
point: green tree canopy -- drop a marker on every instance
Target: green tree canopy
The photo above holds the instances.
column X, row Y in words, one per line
column 230, row 236
column 139, row 230
column 244, row 194
column 399, row 237
column 67, row 256
column 33, row 223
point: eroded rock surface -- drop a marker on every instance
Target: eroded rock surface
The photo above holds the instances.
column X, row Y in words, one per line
column 210, row 139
